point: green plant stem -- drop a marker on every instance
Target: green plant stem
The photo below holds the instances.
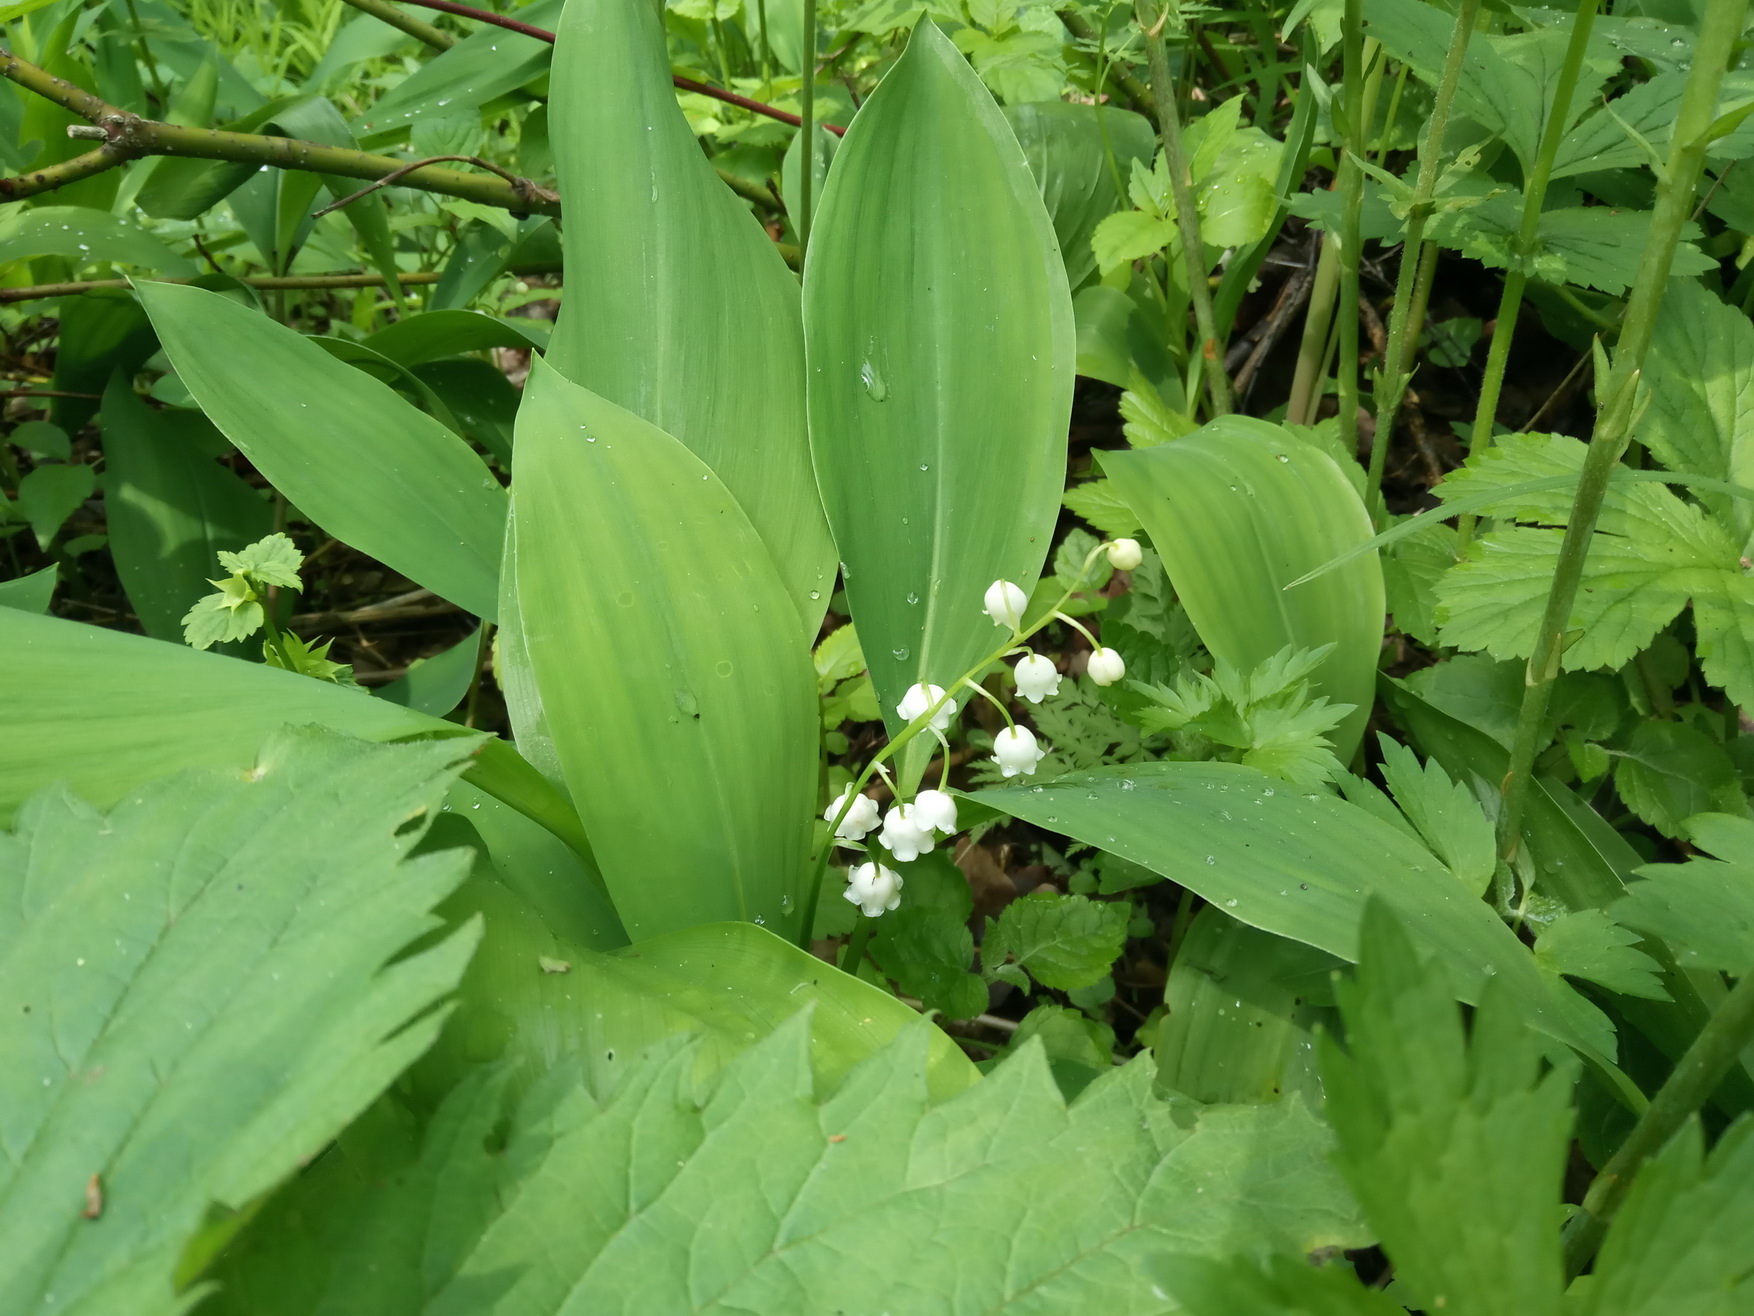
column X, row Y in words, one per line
column 1421, row 301
column 1392, row 376
column 1510, row 301
column 807, row 130
column 385, row 12
column 1674, row 204
column 1136, row 92
column 766, row 49
column 1351, row 188
column 854, row 951
column 39, row 291
column 1726, row 1034
column 1187, row 217
column 1312, row 350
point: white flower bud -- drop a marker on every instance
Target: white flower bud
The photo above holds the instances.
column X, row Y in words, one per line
column 861, row 819
column 873, row 888
column 1037, row 678
column 1005, row 604
column 1125, row 554
column 1106, row 667
column 1015, row 750
column 904, row 837
column 934, row 810
column 921, row 697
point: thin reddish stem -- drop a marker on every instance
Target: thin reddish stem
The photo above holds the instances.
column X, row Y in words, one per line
column 687, row 84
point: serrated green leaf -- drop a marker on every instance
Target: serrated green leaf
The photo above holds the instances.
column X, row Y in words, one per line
column 1147, row 420
column 1446, row 814
column 681, row 309
column 1063, row 941
column 1128, row 236
column 273, row 560
column 197, row 998
column 871, row 1200
column 932, row 272
column 927, row 952
column 230, row 614
column 1703, row 908
column 1588, row 944
column 1283, row 1286
column 1098, row 503
column 1456, row 1149
column 1679, row 1242
column 1411, row 569
column 1670, row 771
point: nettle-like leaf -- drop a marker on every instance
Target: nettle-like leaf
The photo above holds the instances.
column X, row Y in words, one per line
column 1669, row 771
column 760, row 1195
column 196, row 994
column 1455, row 1147
column 1703, row 908
column 1064, row 941
column 1588, row 944
column 1651, row 554
column 1446, row 815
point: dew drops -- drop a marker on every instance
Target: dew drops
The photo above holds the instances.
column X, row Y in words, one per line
column 875, row 388
column 1211, row 858
column 723, row 667
column 815, row 594
column 900, row 655
column 1230, row 904
column 785, row 904
column 924, row 467
column 1129, row 785
column 913, row 598
column 590, row 438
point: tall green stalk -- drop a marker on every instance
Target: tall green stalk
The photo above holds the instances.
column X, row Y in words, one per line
column 1391, row 378
column 1515, row 280
column 1674, row 205
column 807, row 131
column 1351, row 187
column 1181, row 186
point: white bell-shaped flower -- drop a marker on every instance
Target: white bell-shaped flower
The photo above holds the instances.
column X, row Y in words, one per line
column 873, row 888
column 860, row 821
column 934, row 810
column 1037, row 678
column 919, row 698
column 1125, row 554
column 1015, row 750
column 1005, row 604
column 904, row 836
column 1106, row 667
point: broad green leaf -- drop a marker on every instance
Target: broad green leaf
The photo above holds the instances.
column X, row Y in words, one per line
column 437, row 684
column 1588, row 944
column 102, row 331
column 872, row 1200
column 198, row 998
column 1076, row 153
column 51, row 493
column 32, row 593
column 1704, row 908
column 1700, row 370
column 1064, row 941
column 941, row 350
column 1679, row 1243
column 421, row 338
column 927, row 953
column 486, row 64
column 681, row 701
column 479, row 398
column 1650, row 555
column 1241, row 1009
column 85, row 237
column 679, row 307
column 365, row 465
column 104, row 711
column 1238, row 510
column 1298, row 865
column 170, row 507
column 1456, row 1149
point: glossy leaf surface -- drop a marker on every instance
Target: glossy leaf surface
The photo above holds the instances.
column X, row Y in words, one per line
column 366, row 466
column 941, row 360
column 1239, row 509
column 678, row 305
column 680, row 698
column 1301, row 866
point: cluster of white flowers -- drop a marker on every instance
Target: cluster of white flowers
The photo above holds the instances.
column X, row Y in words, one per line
column 911, row 830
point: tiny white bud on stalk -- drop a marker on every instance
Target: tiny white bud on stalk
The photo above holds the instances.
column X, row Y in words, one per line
column 1037, row 678
column 1125, row 554
column 903, row 836
column 935, row 810
column 1015, row 751
column 1106, row 667
column 873, row 888
column 919, row 698
column 1005, row 604
column 861, row 819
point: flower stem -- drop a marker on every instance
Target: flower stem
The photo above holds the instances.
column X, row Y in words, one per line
column 1392, row 376
column 992, row 699
column 1674, row 203
column 1187, row 217
column 854, row 950
column 807, row 130
column 1515, row 280
column 1698, row 1072
column 1351, row 188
